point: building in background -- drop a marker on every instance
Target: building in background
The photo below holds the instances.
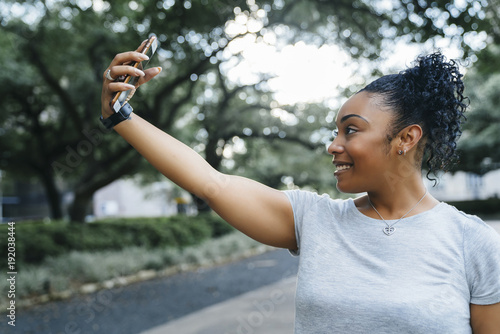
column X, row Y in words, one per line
column 26, row 200
column 22, row 200
column 462, row 186
column 129, row 198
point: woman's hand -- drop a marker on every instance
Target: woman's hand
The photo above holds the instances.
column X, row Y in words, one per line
column 119, row 68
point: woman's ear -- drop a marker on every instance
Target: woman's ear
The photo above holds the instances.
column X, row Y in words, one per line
column 409, row 137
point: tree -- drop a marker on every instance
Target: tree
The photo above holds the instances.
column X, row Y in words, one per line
column 366, row 27
column 479, row 146
column 57, row 52
column 52, row 91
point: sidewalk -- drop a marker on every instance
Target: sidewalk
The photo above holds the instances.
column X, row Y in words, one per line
column 269, row 309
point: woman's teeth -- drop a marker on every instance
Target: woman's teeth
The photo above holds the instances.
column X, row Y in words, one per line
column 343, row 167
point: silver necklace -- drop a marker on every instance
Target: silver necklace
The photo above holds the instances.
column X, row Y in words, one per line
column 390, row 229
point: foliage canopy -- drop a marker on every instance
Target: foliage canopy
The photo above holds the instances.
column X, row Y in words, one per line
column 54, row 54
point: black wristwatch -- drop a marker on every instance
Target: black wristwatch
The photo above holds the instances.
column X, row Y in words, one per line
column 118, row 117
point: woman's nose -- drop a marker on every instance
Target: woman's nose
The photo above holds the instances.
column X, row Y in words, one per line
column 335, row 148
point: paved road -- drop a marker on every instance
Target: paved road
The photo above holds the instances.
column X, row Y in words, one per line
column 142, row 306
column 166, row 305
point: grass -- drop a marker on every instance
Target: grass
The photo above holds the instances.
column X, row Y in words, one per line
column 70, row 271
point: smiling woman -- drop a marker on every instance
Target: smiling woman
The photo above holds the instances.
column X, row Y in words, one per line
column 360, row 144
column 437, row 271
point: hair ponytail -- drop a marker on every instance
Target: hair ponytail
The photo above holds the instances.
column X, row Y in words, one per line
column 429, row 94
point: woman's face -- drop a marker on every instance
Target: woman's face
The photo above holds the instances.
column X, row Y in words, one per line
column 362, row 153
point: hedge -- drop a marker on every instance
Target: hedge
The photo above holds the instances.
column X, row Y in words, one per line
column 482, row 208
column 37, row 240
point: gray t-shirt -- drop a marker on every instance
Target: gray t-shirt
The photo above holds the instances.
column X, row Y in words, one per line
column 422, row 279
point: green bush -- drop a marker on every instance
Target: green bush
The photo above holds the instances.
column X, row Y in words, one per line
column 482, row 208
column 219, row 226
column 36, row 241
column 70, row 270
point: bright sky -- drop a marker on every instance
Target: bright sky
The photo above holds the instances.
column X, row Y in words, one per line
column 307, row 73
column 300, row 72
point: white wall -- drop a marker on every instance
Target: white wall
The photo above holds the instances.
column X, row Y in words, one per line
column 463, row 186
column 127, row 198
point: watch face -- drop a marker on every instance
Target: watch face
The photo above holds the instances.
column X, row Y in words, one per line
column 125, row 111
column 116, row 118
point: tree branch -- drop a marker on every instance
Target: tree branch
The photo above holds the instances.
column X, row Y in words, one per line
column 52, row 82
column 166, row 91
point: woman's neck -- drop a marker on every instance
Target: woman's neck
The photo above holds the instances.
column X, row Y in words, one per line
column 394, row 201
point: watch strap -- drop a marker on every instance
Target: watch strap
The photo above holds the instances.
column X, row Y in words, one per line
column 118, row 117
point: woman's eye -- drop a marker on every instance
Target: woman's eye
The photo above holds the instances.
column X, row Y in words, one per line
column 349, row 130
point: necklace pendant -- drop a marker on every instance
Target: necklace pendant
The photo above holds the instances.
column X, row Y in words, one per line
column 389, row 230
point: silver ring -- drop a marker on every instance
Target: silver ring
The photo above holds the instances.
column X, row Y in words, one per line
column 108, row 75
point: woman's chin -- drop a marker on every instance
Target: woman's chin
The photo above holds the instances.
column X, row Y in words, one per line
column 343, row 187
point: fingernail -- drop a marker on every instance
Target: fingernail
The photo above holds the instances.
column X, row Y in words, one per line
column 139, row 73
column 159, row 69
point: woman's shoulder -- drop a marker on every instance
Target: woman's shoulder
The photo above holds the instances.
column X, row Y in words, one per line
column 310, row 199
column 473, row 226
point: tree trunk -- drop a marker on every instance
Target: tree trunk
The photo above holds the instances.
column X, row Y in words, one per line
column 80, row 207
column 215, row 161
column 201, row 205
column 53, row 194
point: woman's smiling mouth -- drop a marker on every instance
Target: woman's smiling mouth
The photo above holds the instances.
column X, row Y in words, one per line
column 340, row 167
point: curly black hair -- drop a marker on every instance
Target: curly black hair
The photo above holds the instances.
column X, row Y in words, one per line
column 429, row 94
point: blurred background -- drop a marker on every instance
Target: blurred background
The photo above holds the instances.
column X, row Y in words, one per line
column 253, row 86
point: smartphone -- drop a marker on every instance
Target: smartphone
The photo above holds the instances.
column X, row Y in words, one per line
column 149, row 49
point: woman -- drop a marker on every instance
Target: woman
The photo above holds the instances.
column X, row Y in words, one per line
column 395, row 260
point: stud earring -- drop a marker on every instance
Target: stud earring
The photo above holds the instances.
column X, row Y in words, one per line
column 400, row 152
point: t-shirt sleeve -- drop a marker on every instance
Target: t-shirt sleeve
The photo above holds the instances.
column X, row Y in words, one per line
column 482, row 262
column 302, row 201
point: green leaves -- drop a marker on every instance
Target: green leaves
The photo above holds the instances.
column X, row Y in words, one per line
column 54, row 53
column 481, row 139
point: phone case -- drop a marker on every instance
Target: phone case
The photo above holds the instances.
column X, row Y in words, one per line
column 123, row 97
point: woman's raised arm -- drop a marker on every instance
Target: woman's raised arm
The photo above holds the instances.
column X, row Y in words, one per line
column 262, row 213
